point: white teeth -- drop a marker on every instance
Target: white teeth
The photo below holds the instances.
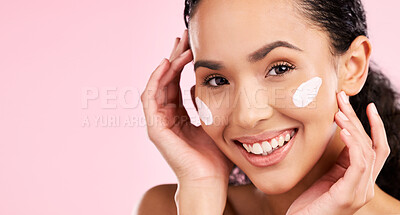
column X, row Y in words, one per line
column 257, row 149
column 246, row 147
column 281, row 141
column 266, row 146
column 287, row 137
column 274, row 143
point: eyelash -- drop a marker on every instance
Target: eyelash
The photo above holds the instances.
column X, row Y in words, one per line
column 207, row 79
column 279, row 64
column 290, row 67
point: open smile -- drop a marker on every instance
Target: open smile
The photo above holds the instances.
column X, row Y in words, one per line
column 266, row 149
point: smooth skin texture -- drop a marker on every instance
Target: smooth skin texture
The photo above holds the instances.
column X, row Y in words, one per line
column 333, row 165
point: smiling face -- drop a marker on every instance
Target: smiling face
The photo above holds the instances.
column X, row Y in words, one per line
column 250, row 58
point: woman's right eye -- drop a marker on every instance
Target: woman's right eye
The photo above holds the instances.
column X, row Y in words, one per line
column 215, row 81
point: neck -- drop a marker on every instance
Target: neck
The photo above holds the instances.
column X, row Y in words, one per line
column 279, row 204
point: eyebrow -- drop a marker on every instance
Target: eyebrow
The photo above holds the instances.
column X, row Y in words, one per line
column 252, row 58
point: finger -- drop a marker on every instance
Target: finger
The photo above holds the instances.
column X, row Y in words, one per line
column 357, row 161
column 182, row 46
column 347, row 109
column 155, row 77
column 347, row 187
column 175, row 46
column 344, row 122
column 177, row 67
column 379, row 139
column 358, row 139
column 170, row 82
column 148, row 96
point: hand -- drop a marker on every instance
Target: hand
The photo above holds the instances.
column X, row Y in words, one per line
column 189, row 151
column 349, row 185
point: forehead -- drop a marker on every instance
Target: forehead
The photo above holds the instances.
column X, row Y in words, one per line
column 233, row 28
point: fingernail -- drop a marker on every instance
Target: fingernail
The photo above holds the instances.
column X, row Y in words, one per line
column 374, row 109
column 344, row 97
column 342, row 116
column 346, row 132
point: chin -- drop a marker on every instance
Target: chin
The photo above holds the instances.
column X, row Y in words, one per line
column 276, row 186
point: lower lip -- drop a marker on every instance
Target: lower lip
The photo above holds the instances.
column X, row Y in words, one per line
column 271, row 159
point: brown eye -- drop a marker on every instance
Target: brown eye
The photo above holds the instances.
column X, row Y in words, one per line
column 217, row 81
column 280, row 69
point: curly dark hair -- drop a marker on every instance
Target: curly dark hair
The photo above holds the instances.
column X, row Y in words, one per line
column 345, row 20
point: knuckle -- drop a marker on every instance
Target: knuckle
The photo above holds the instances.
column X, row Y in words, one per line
column 362, row 166
column 151, row 138
column 386, row 150
column 150, row 134
column 369, row 141
column 143, row 96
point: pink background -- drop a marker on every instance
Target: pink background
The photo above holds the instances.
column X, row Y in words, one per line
column 57, row 55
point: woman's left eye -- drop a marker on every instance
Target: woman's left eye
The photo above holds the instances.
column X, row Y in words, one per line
column 280, row 69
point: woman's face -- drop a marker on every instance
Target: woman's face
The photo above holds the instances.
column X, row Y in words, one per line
column 249, row 90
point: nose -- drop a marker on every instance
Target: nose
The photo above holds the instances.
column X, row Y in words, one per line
column 250, row 107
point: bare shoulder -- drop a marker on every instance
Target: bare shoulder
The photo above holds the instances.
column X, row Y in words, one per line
column 161, row 200
column 381, row 204
column 388, row 204
column 158, row 200
column 392, row 205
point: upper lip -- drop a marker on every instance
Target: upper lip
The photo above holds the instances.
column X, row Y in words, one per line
column 261, row 137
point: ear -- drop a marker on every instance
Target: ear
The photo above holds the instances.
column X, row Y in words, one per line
column 354, row 66
column 192, row 94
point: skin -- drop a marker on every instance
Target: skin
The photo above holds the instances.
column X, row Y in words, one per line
column 333, row 164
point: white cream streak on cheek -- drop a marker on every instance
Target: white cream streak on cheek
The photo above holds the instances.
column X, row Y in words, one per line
column 306, row 92
column 204, row 112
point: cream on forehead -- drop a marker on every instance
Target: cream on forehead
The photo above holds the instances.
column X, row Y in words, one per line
column 306, row 92
column 204, row 112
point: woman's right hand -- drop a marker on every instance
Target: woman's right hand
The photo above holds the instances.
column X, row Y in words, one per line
column 189, row 151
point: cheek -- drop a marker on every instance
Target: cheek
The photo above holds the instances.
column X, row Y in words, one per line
column 306, row 92
column 310, row 100
column 316, row 100
column 314, row 106
column 212, row 108
column 211, row 113
column 204, row 111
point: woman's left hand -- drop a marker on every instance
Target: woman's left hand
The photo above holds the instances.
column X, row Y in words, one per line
column 349, row 185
